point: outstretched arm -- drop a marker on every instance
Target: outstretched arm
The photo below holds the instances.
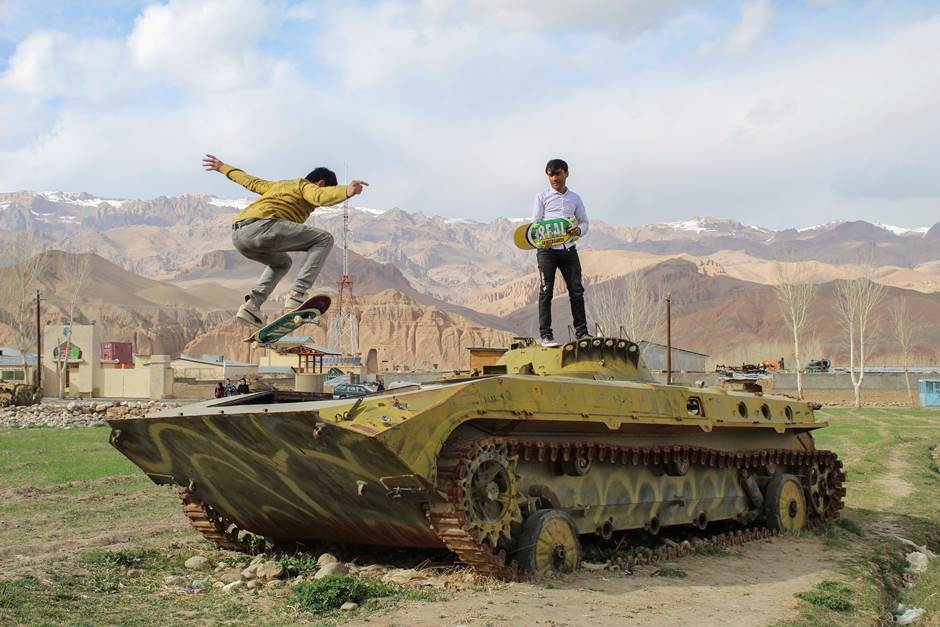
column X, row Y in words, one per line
column 251, row 183
column 326, row 196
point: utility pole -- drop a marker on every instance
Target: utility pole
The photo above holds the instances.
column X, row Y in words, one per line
column 668, row 339
column 38, row 346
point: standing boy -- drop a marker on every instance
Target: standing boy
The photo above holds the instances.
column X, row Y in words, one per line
column 273, row 225
column 560, row 202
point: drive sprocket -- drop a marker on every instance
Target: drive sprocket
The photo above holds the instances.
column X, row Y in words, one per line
column 489, row 493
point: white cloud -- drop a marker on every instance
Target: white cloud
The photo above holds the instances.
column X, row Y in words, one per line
column 456, row 117
column 618, row 17
column 755, row 17
column 49, row 64
column 203, row 43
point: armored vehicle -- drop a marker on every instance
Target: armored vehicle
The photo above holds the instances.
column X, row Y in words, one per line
column 506, row 469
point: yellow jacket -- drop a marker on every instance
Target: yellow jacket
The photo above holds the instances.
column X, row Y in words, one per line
column 293, row 199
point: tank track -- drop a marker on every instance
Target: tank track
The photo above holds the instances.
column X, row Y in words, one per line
column 449, row 521
column 213, row 526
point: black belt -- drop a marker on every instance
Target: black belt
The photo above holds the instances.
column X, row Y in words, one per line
column 241, row 223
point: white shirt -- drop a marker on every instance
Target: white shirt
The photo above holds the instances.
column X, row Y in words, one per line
column 550, row 204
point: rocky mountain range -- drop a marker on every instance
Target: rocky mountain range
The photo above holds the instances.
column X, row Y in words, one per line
column 461, row 274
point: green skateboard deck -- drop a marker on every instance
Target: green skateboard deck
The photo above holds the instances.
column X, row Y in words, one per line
column 544, row 233
column 307, row 313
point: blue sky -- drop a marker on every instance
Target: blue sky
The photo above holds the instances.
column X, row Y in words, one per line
column 773, row 112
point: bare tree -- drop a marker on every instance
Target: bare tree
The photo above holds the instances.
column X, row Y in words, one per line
column 75, row 275
column 856, row 300
column 903, row 327
column 627, row 303
column 795, row 293
column 27, row 257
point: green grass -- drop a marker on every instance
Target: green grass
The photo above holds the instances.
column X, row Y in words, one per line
column 892, row 490
column 32, row 457
column 331, row 593
column 69, row 489
column 712, row 550
column 830, row 595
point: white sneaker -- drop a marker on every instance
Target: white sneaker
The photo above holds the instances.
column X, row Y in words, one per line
column 250, row 313
column 548, row 342
column 293, row 302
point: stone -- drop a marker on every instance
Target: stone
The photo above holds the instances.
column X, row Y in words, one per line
column 275, row 583
column 594, row 566
column 197, row 562
column 400, row 575
column 201, row 583
column 251, row 585
column 233, row 587
column 326, row 558
column 218, row 584
column 134, row 572
column 229, row 575
column 257, row 559
column 269, row 570
column 331, row 569
column 433, row 582
column 102, row 407
column 917, row 562
column 249, row 573
column 171, row 580
column 348, row 606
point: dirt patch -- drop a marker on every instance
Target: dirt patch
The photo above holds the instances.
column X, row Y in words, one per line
column 894, row 484
column 753, row 587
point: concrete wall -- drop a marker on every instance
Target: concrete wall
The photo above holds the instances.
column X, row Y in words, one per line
column 185, row 369
column 843, row 381
column 124, row 383
column 654, row 356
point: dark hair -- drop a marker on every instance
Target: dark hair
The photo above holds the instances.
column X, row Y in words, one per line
column 554, row 165
column 322, row 174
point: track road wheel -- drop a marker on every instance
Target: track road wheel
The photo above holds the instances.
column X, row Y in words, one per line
column 784, row 504
column 548, row 544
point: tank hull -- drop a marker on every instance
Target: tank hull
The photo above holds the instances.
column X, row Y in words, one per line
column 284, row 477
column 464, row 464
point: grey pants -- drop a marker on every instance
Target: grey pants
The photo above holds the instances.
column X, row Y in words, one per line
column 269, row 241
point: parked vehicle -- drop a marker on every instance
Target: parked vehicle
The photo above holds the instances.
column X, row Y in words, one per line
column 347, row 390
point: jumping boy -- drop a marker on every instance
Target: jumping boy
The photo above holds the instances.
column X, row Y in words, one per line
column 273, row 225
column 560, row 202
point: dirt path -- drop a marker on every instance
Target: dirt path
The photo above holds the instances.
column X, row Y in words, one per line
column 894, row 484
column 753, row 587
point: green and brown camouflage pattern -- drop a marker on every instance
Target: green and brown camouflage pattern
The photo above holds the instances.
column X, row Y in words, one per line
column 375, row 470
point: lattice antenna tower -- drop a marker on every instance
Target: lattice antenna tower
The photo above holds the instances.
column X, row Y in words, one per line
column 344, row 330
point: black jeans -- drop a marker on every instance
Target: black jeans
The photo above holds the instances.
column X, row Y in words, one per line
column 567, row 261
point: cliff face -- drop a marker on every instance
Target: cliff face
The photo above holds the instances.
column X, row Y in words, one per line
column 406, row 334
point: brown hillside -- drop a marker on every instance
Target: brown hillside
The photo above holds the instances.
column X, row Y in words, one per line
column 720, row 316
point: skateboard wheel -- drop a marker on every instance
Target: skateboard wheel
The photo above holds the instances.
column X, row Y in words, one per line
column 298, row 319
column 254, row 345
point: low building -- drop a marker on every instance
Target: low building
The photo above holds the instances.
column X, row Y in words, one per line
column 302, row 355
column 16, row 366
column 682, row 360
column 929, row 392
column 72, row 359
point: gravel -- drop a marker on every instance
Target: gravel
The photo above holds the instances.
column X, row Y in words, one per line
column 72, row 414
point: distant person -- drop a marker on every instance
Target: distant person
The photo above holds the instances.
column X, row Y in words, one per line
column 242, row 386
column 273, row 225
column 230, row 389
column 379, row 386
column 560, row 202
column 219, row 390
